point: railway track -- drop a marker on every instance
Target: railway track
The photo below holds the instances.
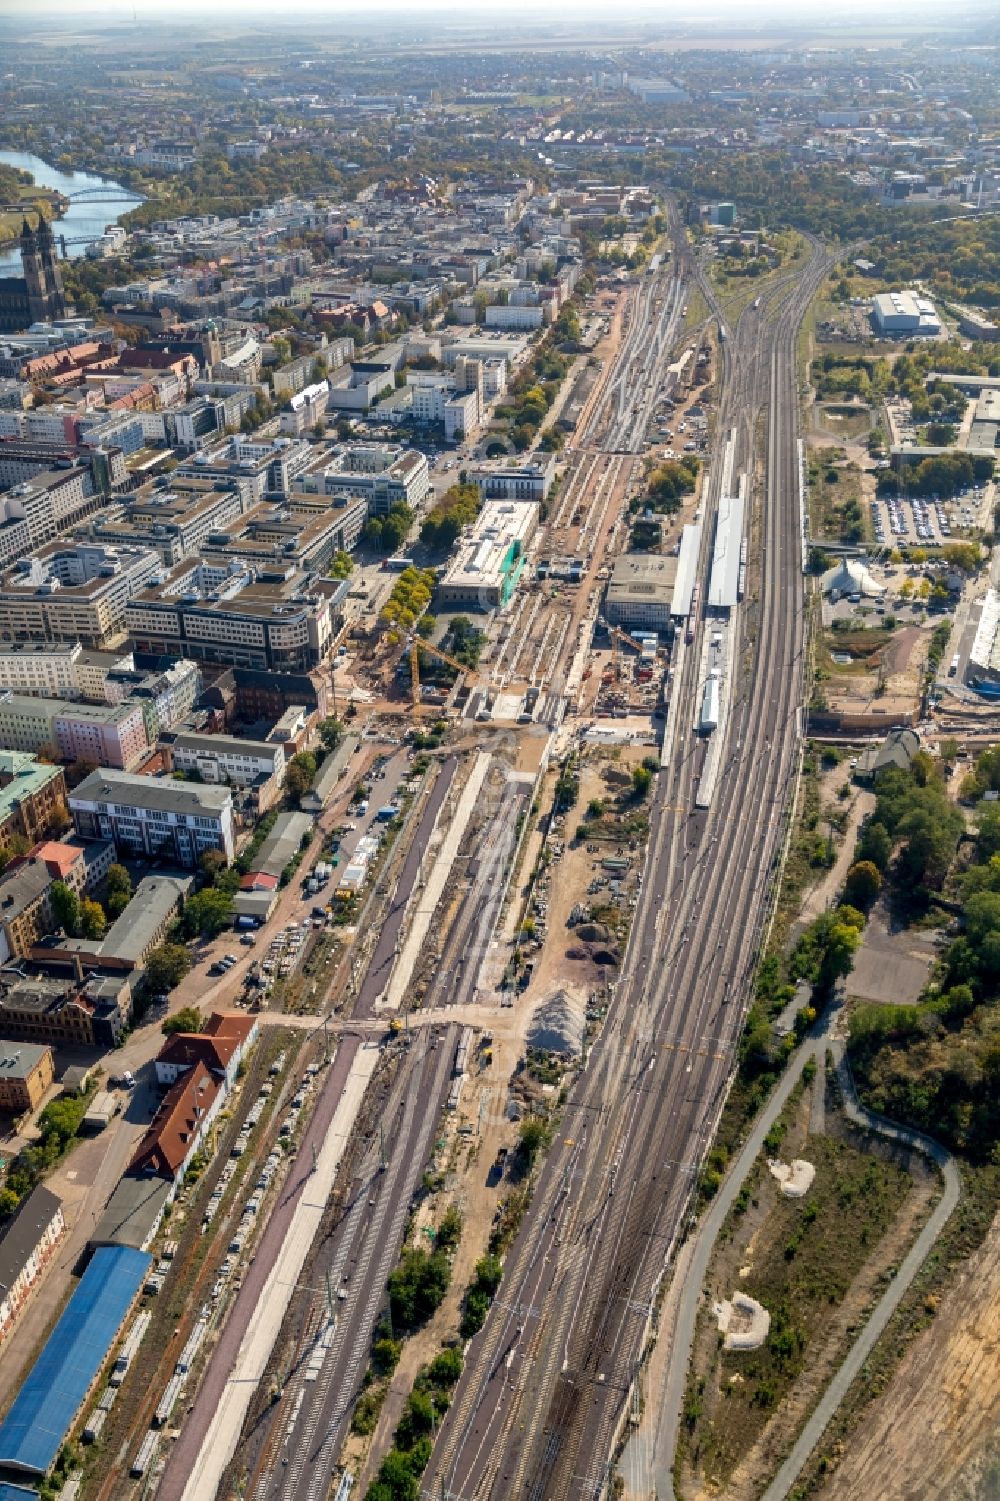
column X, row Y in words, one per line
column 537, row 1413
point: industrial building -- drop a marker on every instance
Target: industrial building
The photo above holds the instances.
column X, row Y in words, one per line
column 724, row 579
column 42, row 1415
column 904, row 314
column 490, row 557
column 641, row 591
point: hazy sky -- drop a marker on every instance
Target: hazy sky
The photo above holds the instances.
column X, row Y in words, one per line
column 753, row 11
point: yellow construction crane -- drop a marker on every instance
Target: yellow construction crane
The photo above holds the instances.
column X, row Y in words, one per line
column 617, row 637
column 416, row 647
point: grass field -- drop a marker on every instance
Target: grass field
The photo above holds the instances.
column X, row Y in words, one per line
column 836, row 512
column 799, row 1258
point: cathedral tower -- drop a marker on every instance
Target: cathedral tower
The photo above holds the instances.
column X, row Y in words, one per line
column 46, row 299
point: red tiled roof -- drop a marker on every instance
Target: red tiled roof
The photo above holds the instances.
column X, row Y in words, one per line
column 167, row 1142
column 258, row 880
column 185, row 1049
column 58, row 858
column 229, row 1024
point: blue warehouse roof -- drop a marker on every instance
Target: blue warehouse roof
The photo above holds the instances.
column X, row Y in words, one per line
column 53, row 1392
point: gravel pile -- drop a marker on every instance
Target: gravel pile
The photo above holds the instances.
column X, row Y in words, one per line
column 558, row 1026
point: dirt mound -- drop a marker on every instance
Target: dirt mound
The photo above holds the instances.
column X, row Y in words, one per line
column 609, row 956
column 593, row 932
column 558, row 1026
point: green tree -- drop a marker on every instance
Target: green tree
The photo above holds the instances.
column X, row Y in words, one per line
column 300, row 774
column 166, row 967
column 417, row 1286
column 206, row 913
column 187, row 1019
column 988, row 824
column 93, row 923
column 533, row 1136
column 212, row 863
column 863, row 883
column 65, row 907
column 875, row 846
column 642, row 780
column 119, row 882
column 118, row 891
column 330, row 732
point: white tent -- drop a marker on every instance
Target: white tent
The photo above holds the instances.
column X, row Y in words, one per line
column 850, row 576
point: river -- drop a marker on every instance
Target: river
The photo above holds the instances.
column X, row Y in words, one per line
column 80, row 219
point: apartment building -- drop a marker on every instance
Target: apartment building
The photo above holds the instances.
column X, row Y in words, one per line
column 279, row 620
column 93, row 668
column 176, row 821
column 228, row 758
column 163, row 697
column 28, row 1242
column 510, row 315
column 73, row 593
column 107, row 734
column 25, row 913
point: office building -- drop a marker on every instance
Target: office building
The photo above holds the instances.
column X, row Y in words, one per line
column 73, row 593
column 256, row 764
column 508, row 481
column 279, row 620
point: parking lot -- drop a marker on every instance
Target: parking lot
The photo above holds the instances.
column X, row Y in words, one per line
column 900, row 519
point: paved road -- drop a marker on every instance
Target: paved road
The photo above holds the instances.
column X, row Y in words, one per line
column 894, row 1294
column 647, row 1461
